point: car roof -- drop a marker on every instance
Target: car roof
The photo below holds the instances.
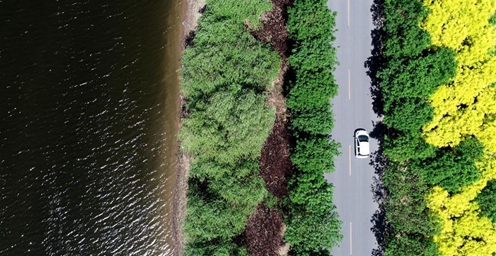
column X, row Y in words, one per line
column 364, row 148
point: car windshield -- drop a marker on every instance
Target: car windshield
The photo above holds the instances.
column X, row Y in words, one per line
column 363, row 138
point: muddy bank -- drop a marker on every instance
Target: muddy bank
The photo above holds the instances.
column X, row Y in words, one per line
column 191, row 14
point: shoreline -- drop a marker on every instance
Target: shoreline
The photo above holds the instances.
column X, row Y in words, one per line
column 191, row 14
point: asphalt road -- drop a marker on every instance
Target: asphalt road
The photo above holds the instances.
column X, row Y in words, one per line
column 352, row 109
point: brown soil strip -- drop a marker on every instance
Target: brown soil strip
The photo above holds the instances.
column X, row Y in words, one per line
column 275, row 163
column 264, row 233
column 191, row 16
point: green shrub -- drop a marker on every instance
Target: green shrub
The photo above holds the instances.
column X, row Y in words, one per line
column 311, row 27
column 470, row 147
column 410, row 227
column 315, row 155
column 230, row 128
column 219, row 248
column 400, row 117
column 402, row 147
column 407, row 84
column 313, row 226
column 404, row 37
column 310, row 233
column 226, row 76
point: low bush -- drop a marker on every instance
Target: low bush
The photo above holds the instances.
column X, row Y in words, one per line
column 226, row 76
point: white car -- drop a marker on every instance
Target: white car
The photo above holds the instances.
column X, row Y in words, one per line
column 362, row 146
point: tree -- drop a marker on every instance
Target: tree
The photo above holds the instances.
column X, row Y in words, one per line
column 448, row 170
column 231, row 127
column 313, row 226
column 487, row 201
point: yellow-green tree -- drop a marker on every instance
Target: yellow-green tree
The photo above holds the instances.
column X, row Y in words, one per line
column 465, row 106
column 464, row 230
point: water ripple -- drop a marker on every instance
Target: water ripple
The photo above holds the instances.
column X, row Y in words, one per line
column 84, row 169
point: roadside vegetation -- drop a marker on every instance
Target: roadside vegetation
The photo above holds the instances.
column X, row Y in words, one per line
column 228, row 79
column 405, row 89
column 437, row 80
column 313, row 224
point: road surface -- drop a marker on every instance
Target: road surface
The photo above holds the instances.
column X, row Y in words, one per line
column 352, row 109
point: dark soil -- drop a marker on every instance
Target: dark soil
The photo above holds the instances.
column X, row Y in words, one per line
column 274, row 30
column 275, row 163
column 265, row 229
column 264, row 232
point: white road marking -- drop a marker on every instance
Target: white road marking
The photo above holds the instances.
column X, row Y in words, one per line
column 351, row 241
column 349, row 159
column 349, row 84
column 348, row 13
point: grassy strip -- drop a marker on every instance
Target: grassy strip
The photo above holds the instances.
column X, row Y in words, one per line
column 226, row 76
column 313, row 225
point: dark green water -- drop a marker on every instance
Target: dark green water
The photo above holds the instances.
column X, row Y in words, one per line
column 88, row 121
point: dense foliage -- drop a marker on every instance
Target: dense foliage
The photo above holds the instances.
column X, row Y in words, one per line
column 409, row 225
column 411, row 71
column 437, row 81
column 450, row 169
column 226, row 75
column 313, row 225
column 464, row 106
column 487, row 200
column 464, row 109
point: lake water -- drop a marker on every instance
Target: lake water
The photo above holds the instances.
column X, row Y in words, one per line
column 88, row 126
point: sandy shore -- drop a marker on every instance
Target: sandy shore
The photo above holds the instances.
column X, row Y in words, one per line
column 190, row 21
column 192, row 14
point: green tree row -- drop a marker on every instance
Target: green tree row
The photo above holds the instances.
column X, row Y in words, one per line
column 313, row 224
column 226, row 76
column 410, row 72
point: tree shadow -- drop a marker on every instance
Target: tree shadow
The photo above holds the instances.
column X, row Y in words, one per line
column 379, row 221
column 379, row 192
column 374, row 63
column 378, row 160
